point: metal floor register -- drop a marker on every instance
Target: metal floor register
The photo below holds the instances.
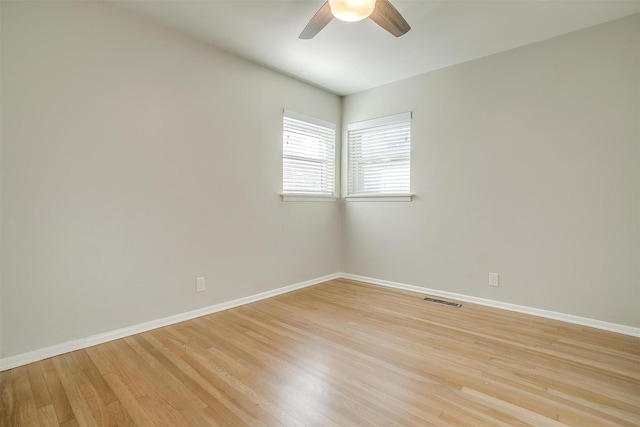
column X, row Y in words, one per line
column 443, row 302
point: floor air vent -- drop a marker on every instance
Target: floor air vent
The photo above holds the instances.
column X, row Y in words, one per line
column 443, row 302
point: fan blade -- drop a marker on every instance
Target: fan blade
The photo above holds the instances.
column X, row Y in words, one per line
column 318, row 22
column 389, row 18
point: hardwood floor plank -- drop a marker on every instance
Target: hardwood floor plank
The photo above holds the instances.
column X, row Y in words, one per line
column 26, row 410
column 95, row 403
column 151, row 394
column 97, row 356
column 178, row 396
column 260, row 332
column 47, row 416
column 380, row 373
column 257, row 353
column 95, row 378
column 61, row 404
column 517, row 412
column 303, row 390
column 129, row 402
column 8, row 397
column 274, row 378
column 119, row 415
column 65, row 367
column 216, row 398
column 38, row 385
column 338, row 354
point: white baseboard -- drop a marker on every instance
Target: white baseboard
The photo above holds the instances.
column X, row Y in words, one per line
column 55, row 350
column 66, row 347
column 584, row 321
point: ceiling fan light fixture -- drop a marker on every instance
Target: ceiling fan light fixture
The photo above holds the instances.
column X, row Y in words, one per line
column 352, row 10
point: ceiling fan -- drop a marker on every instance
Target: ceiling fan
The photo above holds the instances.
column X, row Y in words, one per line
column 380, row 11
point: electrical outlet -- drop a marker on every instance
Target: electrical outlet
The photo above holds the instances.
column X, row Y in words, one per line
column 200, row 284
column 494, row 279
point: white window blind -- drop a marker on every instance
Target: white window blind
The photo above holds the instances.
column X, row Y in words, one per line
column 379, row 156
column 308, row 155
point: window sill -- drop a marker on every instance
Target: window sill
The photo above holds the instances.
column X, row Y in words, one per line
column 380, row 198
column 307, row 198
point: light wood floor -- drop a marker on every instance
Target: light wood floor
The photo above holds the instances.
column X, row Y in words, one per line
column 342, row 353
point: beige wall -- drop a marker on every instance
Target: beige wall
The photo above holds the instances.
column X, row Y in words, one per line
column 524, row 163
column 133, row 161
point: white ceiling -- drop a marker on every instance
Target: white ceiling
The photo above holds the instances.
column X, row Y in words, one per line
column 350, row 57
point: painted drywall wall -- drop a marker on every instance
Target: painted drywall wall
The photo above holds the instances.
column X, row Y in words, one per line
column 524, row 163
column 133, row 161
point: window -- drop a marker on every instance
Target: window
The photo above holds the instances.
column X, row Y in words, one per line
column 308, row 156
column 379, row 161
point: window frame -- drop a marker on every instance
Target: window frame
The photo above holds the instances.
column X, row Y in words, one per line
column 357, row 128
column 329, row 162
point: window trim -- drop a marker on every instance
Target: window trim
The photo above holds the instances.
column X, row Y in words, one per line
column 382, row 197
column 376, row 197
column 303, row 196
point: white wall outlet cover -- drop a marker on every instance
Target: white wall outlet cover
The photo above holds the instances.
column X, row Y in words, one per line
column 494, row 279
column 200, row 284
